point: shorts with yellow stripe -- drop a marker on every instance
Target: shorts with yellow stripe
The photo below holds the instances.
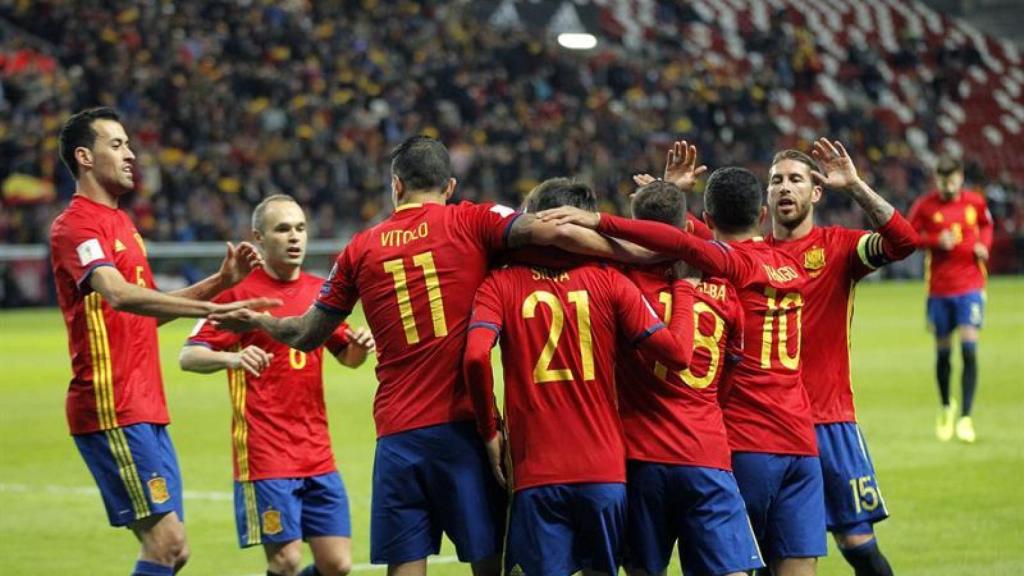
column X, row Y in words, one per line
column 136, row 470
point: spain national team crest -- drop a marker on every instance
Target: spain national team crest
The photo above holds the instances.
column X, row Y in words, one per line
column 272, row 522
column 971, row 216
column 814, row 260
column 158, row 493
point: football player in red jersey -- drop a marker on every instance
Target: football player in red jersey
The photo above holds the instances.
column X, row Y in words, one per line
column 955, row 227
column 835, row 258
column 115, row 404
column 416, row 274
column 558, row 330
column 767, row 413
column 287, row 486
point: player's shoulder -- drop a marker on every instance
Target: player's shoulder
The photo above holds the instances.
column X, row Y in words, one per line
column 927, row 199
column 975, row 197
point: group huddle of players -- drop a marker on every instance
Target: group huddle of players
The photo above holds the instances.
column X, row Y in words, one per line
column 668, row 381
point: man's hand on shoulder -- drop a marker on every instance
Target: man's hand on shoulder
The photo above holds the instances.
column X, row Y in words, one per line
column 571, row 215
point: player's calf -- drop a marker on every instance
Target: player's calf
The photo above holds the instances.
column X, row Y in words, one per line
column 863, row 554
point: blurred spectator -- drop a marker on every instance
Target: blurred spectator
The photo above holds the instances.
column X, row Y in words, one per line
column 228, row 102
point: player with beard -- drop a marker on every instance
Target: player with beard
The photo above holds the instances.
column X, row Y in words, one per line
column 116, row 408
column 835, row 259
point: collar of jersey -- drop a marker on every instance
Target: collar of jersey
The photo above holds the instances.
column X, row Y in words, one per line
column 408, row 206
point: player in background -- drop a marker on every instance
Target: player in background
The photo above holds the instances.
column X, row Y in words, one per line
column 955, row 227
column 834, row 259
column 558, row 330
column 679, row 478
column 115, row 407
column 416, row 274
column 767, row 413
column 287, row 486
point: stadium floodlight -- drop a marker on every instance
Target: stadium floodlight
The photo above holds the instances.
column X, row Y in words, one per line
column 577, row 41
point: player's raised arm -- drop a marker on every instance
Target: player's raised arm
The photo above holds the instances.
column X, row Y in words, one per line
column 895, row 238
column 239, row 261
column 672, row 347
column 124, row 296
column 710, row 257
column 529, row 229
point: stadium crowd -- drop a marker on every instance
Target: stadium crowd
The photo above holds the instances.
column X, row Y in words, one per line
column 229, row 103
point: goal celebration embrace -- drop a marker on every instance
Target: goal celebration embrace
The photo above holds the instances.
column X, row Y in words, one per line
column 512, row 288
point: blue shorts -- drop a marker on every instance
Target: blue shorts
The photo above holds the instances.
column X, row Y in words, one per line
column 279, row 510
column 701, row 507
column 136, row 470
column 946, row 313
column 785, row 501
column 853, row 501
column 561, row 529
column 432, row 480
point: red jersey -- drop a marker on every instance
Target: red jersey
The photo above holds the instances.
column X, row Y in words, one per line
column 834, row 259
column 700, row 229
column 416, row 274
column 764, row 400
column 674, row 417
column 956, row 271
column 279, row 422
column 115, row 360
column 558, row 344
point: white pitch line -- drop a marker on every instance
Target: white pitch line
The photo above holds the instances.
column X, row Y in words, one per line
column 93, row 491
column 189, row 495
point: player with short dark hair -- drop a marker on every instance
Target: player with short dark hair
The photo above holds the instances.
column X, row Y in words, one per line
column 835, row 259
column 116, row 408
column 955, row 227
column 767, row 414
column 416, row 273
column 558, row 330
column 287, row 486
column 679, row 470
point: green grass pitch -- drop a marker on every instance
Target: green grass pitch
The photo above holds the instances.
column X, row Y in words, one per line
column 956, row 509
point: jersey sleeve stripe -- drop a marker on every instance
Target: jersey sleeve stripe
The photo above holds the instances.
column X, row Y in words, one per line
column 508, row 228
column 331, row 309
column 647, row 333
column 88, row 271
column 192, row 342
column 486, row 325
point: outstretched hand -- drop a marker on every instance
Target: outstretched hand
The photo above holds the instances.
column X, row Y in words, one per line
column 681, row 166
column 836, row 164
column 241, row 315
column 570, row 215
column 239, row 261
